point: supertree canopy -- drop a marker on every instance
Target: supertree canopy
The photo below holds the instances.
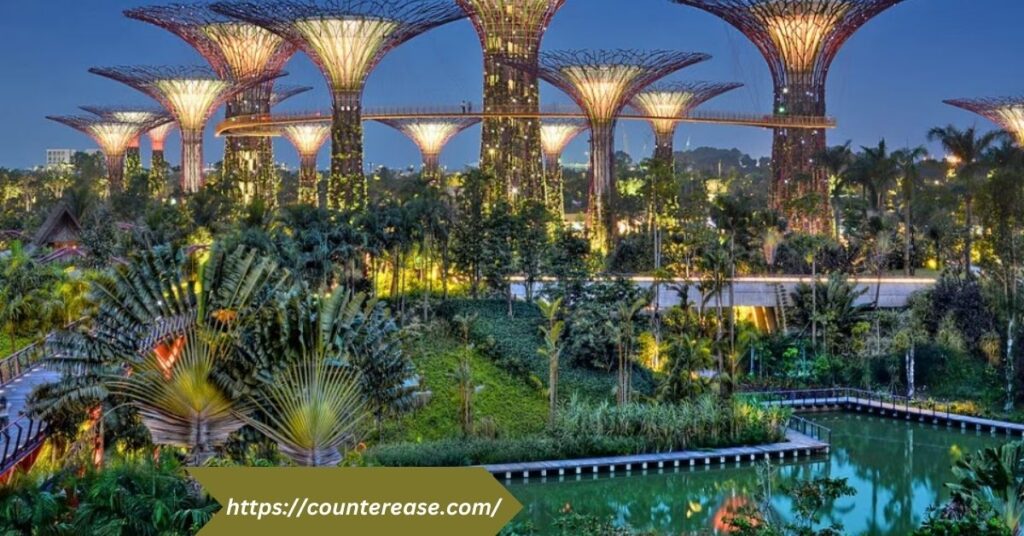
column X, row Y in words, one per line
column 346, row 39
column 131, row 114
column 283, row 92
column 113, row 137
column 666, row 103
column 431, row 136
column 1007, row 112
column 554, row 137
column 191, row 95
column 308, row 138
column 602, row 82
column 510, row 146
column 799, row 39
column 236, row 51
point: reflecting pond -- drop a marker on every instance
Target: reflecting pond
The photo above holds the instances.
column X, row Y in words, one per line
column 897, row 467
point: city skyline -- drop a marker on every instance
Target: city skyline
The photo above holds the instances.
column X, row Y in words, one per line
column 889, row 81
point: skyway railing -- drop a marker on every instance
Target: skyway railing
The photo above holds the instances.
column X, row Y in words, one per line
column 269, row 125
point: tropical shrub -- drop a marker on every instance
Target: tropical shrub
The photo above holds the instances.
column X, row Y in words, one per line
column 137, row 495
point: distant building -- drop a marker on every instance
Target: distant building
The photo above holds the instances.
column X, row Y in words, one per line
column 59, row 157
column 63, row 157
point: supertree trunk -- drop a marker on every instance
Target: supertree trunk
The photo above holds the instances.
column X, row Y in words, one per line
column 601, row 206
column 510, row 146
column 309, row 179
column 115, row 172
column 799, row 188
column 132, row 161
column 191, row 160
column 346, row 188
column 664, row 148
column 250, row 160
column 432, row 170
column 554, row 189
column 158, row 167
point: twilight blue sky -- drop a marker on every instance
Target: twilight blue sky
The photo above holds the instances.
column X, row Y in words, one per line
column 888, row 81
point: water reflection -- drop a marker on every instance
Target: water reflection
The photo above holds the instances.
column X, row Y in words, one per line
column 898, row 469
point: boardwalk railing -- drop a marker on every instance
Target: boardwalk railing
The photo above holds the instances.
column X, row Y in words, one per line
column 842, row 395
column 810, row 429
column 16, row 364
column 20, row 438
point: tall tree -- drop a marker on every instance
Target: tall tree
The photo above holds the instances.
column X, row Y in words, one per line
column 965, row 150
column 910, row 182
column 836, row 161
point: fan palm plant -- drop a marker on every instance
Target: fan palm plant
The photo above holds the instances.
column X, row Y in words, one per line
column 178, row 398
column 312, row 410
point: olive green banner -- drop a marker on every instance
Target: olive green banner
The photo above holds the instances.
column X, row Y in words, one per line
column 311, row 501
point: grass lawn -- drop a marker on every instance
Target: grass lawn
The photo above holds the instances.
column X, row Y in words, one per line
column 517, row 408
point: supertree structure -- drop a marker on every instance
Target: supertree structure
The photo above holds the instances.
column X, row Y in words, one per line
column 191, row 95
column 602, row 82
column 283, row 92
column 1007, row 112
column 431, row 136
column 308, row 138
column 799, row 39
column 668, row 102
column 346, row 39
column 236, row 51
column 510, row 147
column 157, row 161
column 554, row 137
column 113, row 137
column 128, row 114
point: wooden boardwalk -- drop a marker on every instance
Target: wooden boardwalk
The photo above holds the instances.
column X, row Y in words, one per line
column 899, row 410
column 797, row 445
column 17, row 391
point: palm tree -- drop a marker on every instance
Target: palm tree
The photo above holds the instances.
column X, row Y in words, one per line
column 910, row 180
column 965, row 149
column 552, row 349
column 625, row 335
column 836, row 161
column 876, row 170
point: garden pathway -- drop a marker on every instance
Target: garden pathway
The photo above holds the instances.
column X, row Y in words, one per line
column 22, row 431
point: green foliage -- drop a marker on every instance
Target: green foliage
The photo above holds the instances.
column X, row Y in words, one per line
column 583, row 430
column 593, row 323
column 992, row 480
column 512, row 344
column 516, row 409
column 136, row 496
column 703, row 422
